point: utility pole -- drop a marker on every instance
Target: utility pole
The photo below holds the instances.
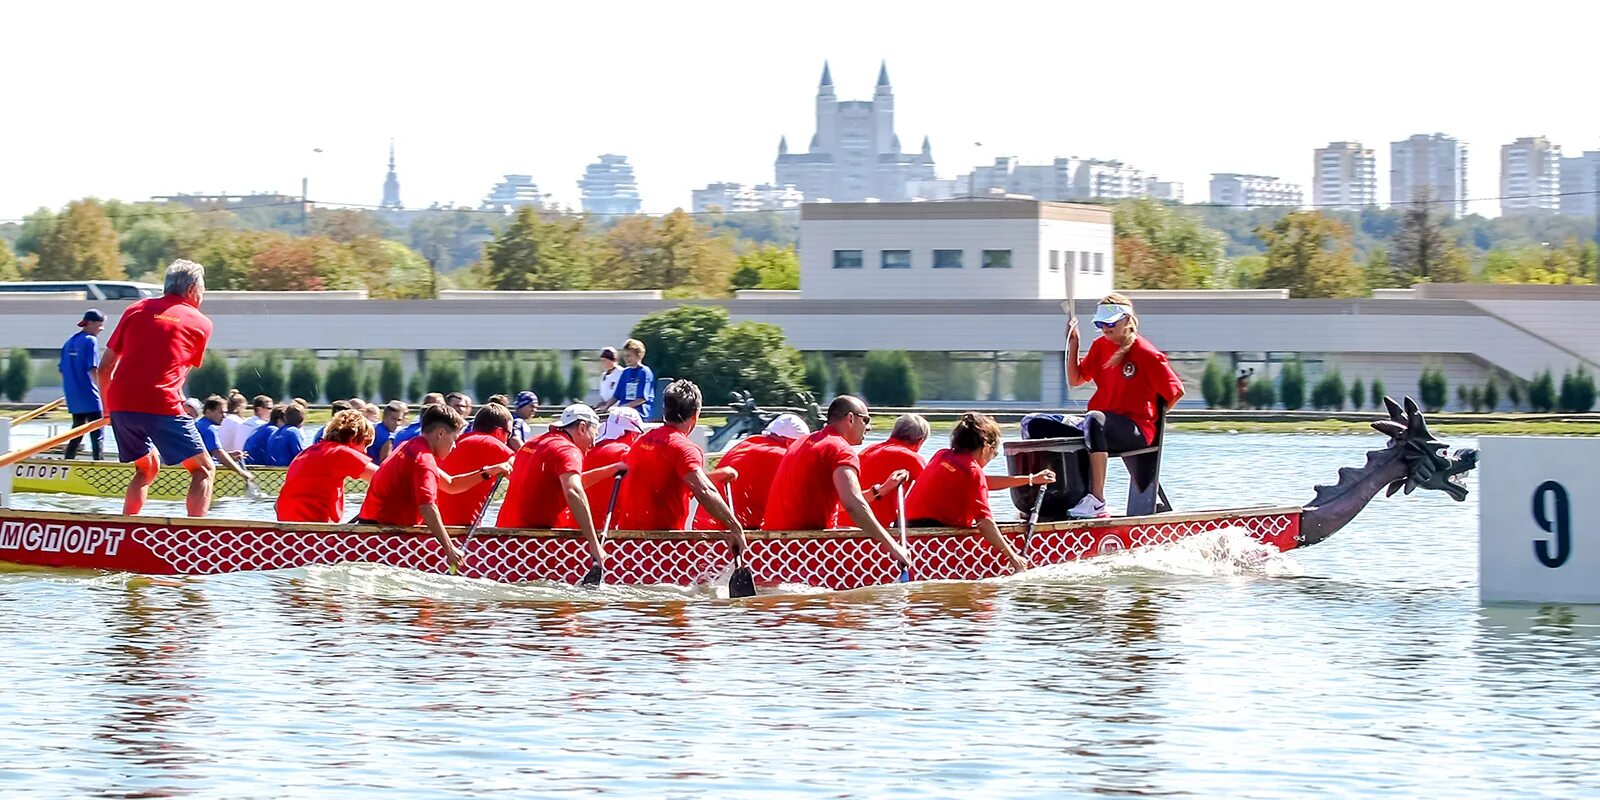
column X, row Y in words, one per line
column 305, row 228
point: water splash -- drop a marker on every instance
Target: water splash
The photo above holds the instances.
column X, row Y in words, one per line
column 1225, row 552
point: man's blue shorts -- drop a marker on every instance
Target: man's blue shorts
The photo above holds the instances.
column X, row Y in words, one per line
column 175, row 437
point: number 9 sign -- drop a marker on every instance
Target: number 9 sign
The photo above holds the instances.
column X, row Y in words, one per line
column 1538, row 540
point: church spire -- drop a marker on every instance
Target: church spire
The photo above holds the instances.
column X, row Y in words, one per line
column 391, row 184
column 883, row 74
column 783, row 145
column 827, row 77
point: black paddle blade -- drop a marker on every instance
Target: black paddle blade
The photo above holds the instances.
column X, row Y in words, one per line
column 594, row 576
column 741, row 583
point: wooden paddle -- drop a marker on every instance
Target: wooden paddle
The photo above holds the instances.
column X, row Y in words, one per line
column 900, row 498
column 61, row 438
column 741, row 583
column 477, row 520
column 596, row 574
column 41, row 410
column 1033, row 521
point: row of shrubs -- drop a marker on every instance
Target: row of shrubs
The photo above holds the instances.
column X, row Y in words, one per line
column 1576, row 392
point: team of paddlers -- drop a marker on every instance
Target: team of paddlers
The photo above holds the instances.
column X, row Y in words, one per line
column 441, row 471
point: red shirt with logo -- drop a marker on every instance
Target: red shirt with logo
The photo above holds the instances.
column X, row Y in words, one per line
column 313, row 488
column 157, row 341
column 1130, row 386
column 654, row 496
column 952, row 491
column 756, row 459
column 408, row 479
column 877, row 462
column 472, row 452
column 803, row 497
column 535, row 499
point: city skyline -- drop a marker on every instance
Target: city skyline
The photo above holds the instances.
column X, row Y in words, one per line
column 1180, row 117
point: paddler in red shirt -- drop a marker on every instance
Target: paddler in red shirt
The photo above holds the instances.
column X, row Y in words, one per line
column 548, row 481
column 622, row 428
column 754, row 463
column 953, row 491
column 313, row 488
column 1129, row 373
column 888, row 464
column 665, row 467
column 405, row 491
column 484, row 446
column 155, row 344
column 821, row 473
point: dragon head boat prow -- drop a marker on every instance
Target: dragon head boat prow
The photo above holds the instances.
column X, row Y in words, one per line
column 1412, row 459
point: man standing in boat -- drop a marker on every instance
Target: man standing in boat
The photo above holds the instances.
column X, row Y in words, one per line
column 80, row 364
column 821, row 473
column 151, row 351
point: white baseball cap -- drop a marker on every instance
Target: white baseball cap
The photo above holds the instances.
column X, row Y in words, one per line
column 789, row 426
column 619, row 421
column 1110, row 313
column 577, row 412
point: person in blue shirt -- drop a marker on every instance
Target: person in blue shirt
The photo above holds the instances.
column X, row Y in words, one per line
column 521, row 430
column 413, row 430
column 255, row 447
column 637, row 386
column 394, row 418
column 80, row 373
column 209, row 423
column 288, row 441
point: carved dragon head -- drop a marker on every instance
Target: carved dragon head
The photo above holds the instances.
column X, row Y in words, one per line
column 1429, row 462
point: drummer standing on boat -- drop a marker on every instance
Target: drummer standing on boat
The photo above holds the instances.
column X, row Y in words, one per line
column 155, row 344
column 80, row 365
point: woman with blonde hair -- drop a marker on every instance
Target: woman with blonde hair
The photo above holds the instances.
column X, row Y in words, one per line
column 953, row 490
column 313, row 489
column 1129, row 374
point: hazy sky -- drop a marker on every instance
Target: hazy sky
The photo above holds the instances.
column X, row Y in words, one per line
column 130, row 100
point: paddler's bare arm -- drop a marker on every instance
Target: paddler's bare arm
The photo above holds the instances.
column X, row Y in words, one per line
column 599, row 474
column 435, row 524
column 371, row 470
column 108, row 365
column 1007, row 481
column 700, row 484
column 456, row 484
column 578, row 500
column 848, row 487
column 226, row 460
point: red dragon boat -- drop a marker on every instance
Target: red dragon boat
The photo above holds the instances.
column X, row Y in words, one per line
column 833, row 559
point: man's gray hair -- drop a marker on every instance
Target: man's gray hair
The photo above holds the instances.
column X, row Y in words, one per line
column 183, row 275
column 910, row 428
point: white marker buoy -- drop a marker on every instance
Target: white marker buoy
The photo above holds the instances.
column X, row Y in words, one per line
column 1539, row 520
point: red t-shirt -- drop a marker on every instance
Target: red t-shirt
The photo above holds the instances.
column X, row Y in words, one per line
column 408, row 479
column 473, row 451
column 757, row 459
column 313, row 489
column 605, row 454
column 654, row 496
column 877, row 461
column 157, row 341
column 803, row 497
column 535, row 498
column 952, row 490
column 1130, row 388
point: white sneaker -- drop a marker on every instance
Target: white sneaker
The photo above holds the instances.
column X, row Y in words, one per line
column 1090, row 507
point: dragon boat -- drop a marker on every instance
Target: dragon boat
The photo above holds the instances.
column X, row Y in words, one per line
column 834, row 559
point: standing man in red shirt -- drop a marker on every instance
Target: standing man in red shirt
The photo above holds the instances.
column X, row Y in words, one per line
column 405, row 490
column 665, row 467
column 156, row 343
column 547, row 479
column 890, row 463
column 484, row 446
column 821, row 473
column 1129, row 374
column 754, row 463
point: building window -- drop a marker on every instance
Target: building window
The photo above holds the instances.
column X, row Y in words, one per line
column 1099, row 263
column 847, row 259
column 897, row 259
column 997, row 259
column 1055, row 260
column 947, row 259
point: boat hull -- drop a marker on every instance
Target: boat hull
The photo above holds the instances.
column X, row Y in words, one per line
column 836, row 559
column 110, row 479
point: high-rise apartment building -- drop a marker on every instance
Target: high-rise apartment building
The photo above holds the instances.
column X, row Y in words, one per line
column 855, row 153
column 736, row 197
column 1345, row 176
column 1530, row 176
column 513, row 193
column 1580, row 180
column 1237, row 190
column 609, row 188
column 1431, row 166
column 1064, row 179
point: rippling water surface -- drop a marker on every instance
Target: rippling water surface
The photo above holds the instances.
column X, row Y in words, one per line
column 1363, row 666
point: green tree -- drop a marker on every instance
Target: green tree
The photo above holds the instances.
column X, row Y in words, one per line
column 19, row 375
column 1310, row 254
column 768, row 267
column 845, row 380
column 305, row 380
column 521, row 378
column 82, row 245
column 1432, row 389
column 1358, row 394
column 818, row 376
column 396, row 272
column 1491, row 394
column 753, row 357
column 1380, row 274
column 1377, row 393
column 391, row 378
column 444, row 376
column 8, row 264
column 1542, row 393
column 1328, row 394
column 1577, row 390
column 1158, row 247
column 674, row 254
column 343, row 380
column 488, row 377
column 1464, row 397
column 1212, row 382
column 577, row 383
column 1514, row 393
column 1421, row 250
column 887, row 378
column 539, row 252
column 675, row 339
column 1292, row 385
column 36, row 228
column 1260, row 394
column 261, row 372
column 212, row 377
column 1572, row 263
column 415, row 387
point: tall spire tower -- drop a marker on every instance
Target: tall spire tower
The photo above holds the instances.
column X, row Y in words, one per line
column 391, row 185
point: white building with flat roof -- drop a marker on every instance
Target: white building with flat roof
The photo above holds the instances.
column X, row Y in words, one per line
column 1237, row 190
column 1345, row 177
column 957, row 249
column 1580, row 180
column 1530, row 176
column 739, row 197
column 1431, row 167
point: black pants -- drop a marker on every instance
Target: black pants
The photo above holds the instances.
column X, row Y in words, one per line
column 97, row 437
column 1102, row 432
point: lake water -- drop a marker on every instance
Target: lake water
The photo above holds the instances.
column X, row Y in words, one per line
column 1363, row 666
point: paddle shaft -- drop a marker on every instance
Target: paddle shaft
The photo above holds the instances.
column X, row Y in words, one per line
column 596, row 572
column 477, row 519
column 44, row 409
column 1033, row 521
column 900, row 500
column 61, row 438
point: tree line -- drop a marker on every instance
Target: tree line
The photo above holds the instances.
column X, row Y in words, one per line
column 1576, row 392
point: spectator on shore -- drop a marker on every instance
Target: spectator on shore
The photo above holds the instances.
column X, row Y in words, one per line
column 636, row 387
column 213, row 415
column 395, row 414
column 606, row 384
column 255, row 446
column 80, row 379
column 409, row 432
column 461, row 402
column 289, row 440
column 234, row 428
column 521, row 430
column 334, row 408
column 261, row 406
